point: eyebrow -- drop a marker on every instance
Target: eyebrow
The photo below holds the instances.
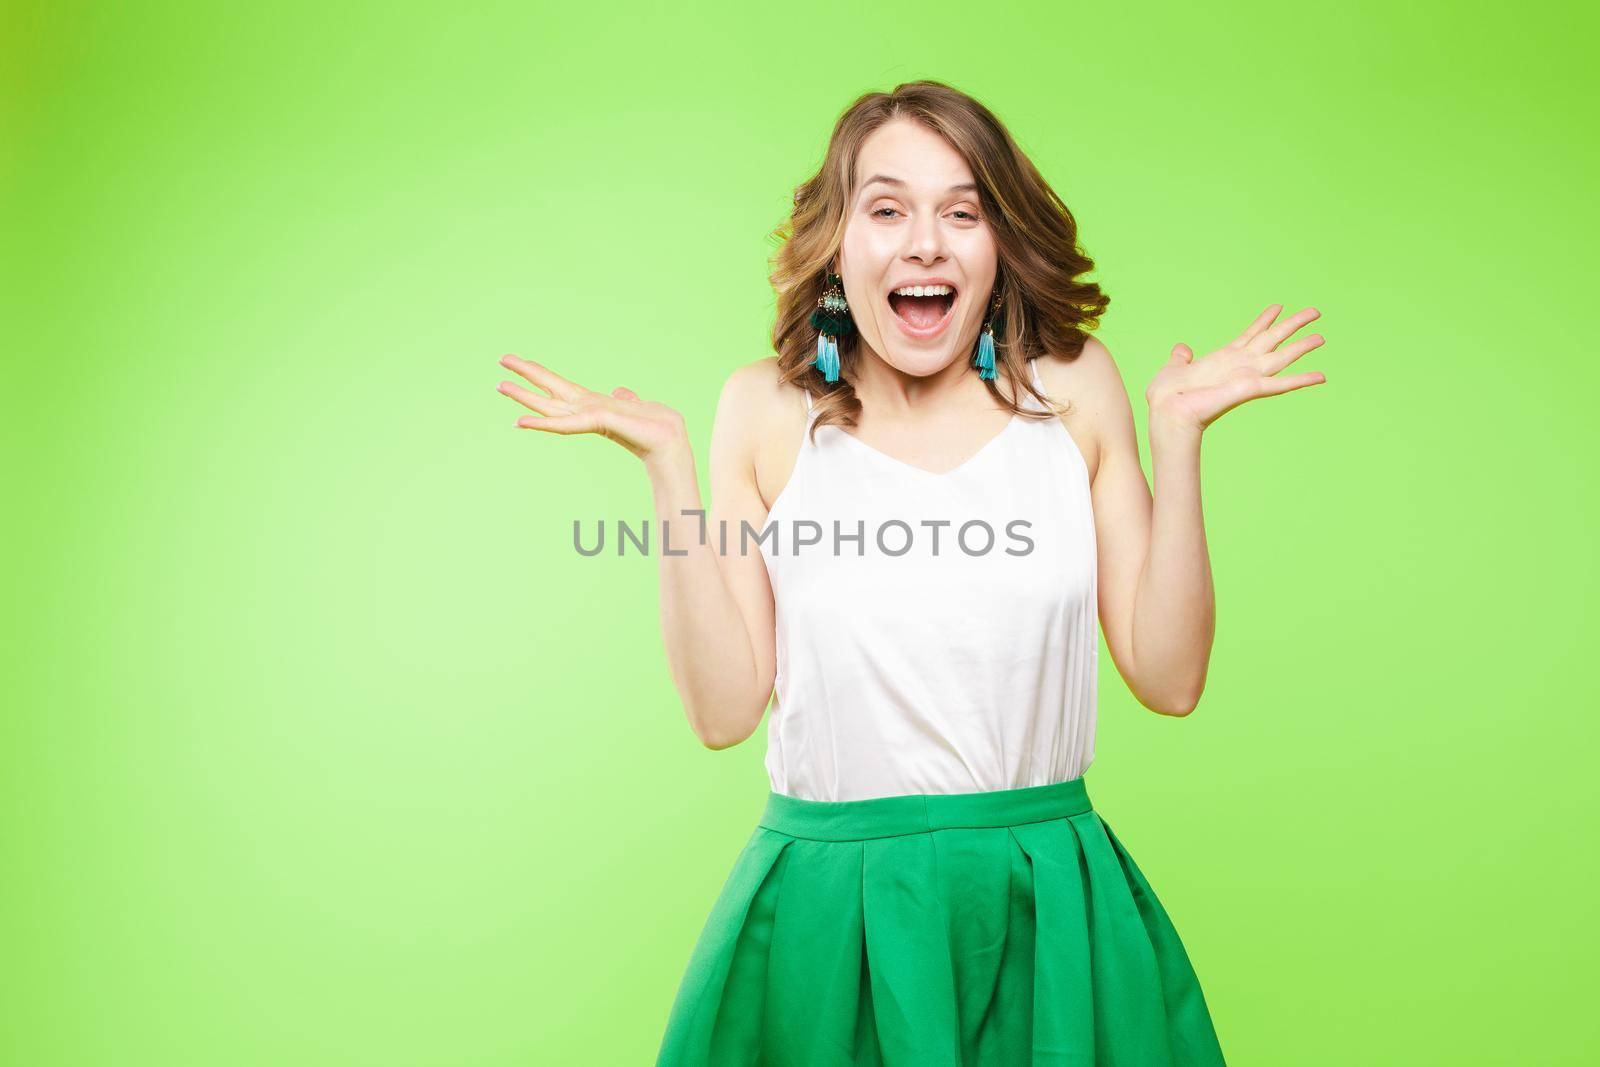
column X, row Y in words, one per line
column 965, row 187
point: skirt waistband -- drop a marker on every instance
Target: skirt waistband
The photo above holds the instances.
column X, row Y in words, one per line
column 915, row 813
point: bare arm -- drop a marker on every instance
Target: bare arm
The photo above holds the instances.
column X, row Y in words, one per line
column 1157, row 602
column 716, row 601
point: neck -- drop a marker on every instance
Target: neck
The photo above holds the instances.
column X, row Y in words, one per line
column 890, row 392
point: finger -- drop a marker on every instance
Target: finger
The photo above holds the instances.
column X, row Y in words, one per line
column 1274, row 386
column 540, row 375
column 1182, row 353
column 582, row 422
column 1263, row 320
column 544, row 405
column 622, row 392
column 1275, row 336
column 1292, row 351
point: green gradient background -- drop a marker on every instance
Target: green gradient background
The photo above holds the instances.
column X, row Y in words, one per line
column 322, row 746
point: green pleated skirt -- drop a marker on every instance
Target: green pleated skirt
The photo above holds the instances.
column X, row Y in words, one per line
column 1007, row 928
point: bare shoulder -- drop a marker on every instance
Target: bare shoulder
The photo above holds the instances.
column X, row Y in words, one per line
column 1091, row 385
column 1091, row 380
column 747, row 383
column 759, row 420
column 749, row 399
column 755, row 396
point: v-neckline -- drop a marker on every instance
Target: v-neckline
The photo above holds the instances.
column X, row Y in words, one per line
column 969, row 461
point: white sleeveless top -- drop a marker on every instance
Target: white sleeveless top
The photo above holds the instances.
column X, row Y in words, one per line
column 916, row 651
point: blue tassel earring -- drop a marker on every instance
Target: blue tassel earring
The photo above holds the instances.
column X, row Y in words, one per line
column 832, row 322
column 984, row 361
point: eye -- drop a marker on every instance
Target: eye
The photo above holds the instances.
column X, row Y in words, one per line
column 970, row 217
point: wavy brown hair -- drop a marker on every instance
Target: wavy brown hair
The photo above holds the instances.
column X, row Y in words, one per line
column 1045, row 307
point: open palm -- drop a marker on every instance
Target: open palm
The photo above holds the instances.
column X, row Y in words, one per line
column 1197, row 392
column 646, row 428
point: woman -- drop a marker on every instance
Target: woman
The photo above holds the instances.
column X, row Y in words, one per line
column 929, row 883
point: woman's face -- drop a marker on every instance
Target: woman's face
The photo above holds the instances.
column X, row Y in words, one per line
column 921, row 226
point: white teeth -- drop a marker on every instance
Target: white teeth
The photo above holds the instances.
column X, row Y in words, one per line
column 924, row 290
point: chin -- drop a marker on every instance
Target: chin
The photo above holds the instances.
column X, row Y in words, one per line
column 918, row 362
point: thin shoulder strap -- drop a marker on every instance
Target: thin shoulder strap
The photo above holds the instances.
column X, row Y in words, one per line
column 805, row 435
column 1038, row 384
column 811, row 410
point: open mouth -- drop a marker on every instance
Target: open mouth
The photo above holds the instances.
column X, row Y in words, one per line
column 922, row 312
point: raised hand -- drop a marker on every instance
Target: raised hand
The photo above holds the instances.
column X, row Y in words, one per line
column 1195, row 393
column 644, row 427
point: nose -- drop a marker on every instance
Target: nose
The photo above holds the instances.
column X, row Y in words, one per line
column 925, row 239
